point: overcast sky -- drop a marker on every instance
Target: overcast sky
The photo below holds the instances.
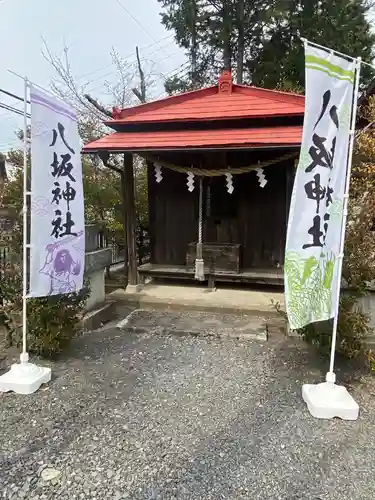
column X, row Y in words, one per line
column 90, row 28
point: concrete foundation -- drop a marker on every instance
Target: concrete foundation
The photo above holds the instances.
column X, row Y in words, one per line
column 133, row 289
column 209, row 324
column 96, row 260
column 197, row 298
column 96, row 281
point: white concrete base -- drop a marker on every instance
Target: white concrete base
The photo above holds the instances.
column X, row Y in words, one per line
column 24, row 378
column 133, row 288
column 328, row 400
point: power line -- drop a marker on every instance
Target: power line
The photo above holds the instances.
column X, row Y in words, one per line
column 10, row 94
column 180, row 69
column 128, row 55
column 13, row 110
column 136, row 21
column 112, row 72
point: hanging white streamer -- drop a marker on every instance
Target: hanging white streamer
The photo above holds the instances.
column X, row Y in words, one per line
column 190, row 181
column 261, row 177
column 229, row 178
column 158, row 173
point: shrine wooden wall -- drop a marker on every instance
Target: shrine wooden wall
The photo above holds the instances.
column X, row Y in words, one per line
column 252, row 216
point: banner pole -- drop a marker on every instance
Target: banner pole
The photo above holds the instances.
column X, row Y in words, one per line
column 24, row 377
column 24, row 355
column 323, row 47
column 331, row 377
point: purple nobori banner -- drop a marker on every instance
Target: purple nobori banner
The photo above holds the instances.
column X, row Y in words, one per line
column 57, row 242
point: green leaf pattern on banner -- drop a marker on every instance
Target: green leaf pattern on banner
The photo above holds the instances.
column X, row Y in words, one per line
column 309, row 285
column 344, row 118
column 304, row 158
column 336, row 211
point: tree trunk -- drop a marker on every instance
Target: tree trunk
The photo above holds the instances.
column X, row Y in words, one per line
column 227, row 30
column 193, row 52
column 240, row 15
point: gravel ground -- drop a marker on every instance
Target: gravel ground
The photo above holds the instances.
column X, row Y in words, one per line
column 148, row 416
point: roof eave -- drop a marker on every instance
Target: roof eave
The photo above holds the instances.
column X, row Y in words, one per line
column 116, row 122
column 213, row 147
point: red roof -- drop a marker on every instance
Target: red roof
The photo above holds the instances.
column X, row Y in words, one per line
column 223, row 101
column 240, row 138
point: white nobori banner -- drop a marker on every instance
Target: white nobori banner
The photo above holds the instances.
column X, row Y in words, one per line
column 57, row 240
column 316, row 211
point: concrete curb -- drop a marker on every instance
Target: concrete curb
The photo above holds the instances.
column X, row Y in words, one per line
column 96, row 318
column 144, row 302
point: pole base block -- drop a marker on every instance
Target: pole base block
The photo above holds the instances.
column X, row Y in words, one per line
column 24, row 378
column 328, row 400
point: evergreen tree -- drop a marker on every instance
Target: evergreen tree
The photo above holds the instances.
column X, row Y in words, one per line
column 338, row 24
column 260, row 40
column 216, row 34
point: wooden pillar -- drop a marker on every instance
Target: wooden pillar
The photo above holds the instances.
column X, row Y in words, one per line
column 123, row 196
column 130, row 220
column 151, row 211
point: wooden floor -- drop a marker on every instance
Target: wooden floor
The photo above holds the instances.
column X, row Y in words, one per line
column 259, row 276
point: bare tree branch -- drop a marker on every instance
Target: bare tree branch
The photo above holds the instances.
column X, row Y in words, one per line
column 142, row 93
column 65, row 85
column 122, row 90
column 98, row 106
column 91, row 112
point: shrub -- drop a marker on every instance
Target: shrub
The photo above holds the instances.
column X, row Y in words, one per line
column 358, row 271
column 52, row 322
column 352, row 330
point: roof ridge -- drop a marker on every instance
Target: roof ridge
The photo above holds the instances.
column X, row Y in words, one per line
column 166, row 100
column 273, row 91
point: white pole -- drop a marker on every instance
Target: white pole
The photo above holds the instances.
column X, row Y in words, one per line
column 24, row 377
column 331, row 377
column 306, row 41
column 24, row 355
